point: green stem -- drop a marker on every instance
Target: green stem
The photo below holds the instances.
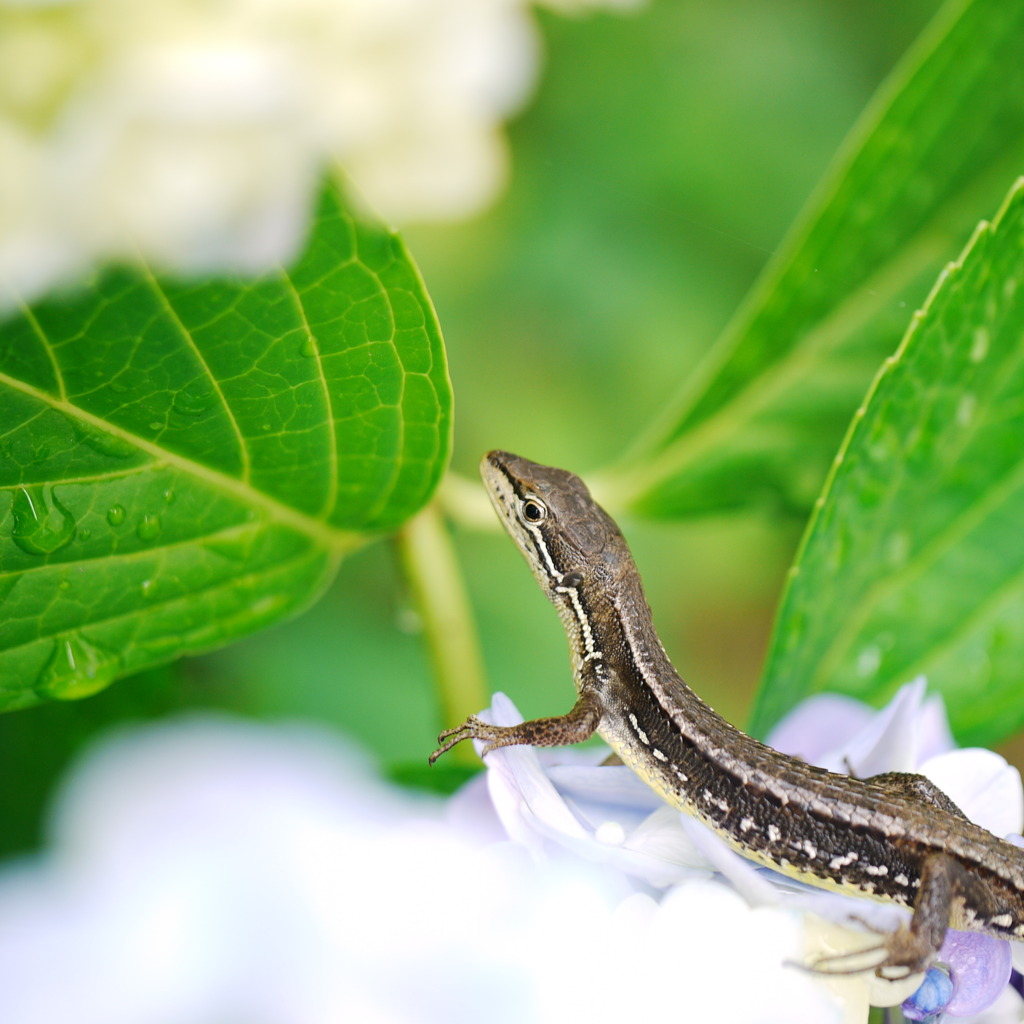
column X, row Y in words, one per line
column 435, row 578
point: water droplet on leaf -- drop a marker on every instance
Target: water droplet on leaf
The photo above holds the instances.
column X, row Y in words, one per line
column 115, row 515
column 156, row 425
column 40, row 527
column 899, row 548
column 868, row 661
column 77, row 668
column 235, row 546
column 148, row 528
column 408, row 620
column 101, row 441
column 194, row 402
column 268, row 605
column 309, row 346
column 979, row 344
column 148, row 586
column 965, row 409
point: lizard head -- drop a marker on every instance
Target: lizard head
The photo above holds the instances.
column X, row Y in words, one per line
column 566, row 537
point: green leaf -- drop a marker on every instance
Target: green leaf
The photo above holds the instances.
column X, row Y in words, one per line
column 914, row 559
column 931, row 155
column 182, row 463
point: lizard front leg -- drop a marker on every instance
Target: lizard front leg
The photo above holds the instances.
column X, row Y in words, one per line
column 577, row 725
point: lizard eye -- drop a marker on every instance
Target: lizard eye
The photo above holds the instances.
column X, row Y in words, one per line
column 532, row 511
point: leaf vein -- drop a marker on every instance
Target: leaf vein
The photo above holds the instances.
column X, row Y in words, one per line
column 331, row 496
column 168, row 306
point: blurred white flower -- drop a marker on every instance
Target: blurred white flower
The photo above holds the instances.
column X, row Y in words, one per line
column 212, row 871
column 208, row 870
column 196, row 133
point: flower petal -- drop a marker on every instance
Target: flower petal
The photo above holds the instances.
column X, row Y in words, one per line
column 527, row 802
column 979, row 966
column 750, row 882
column 840, row 733
column 622, row 832
column 598, row 791
column 704, row 930
column 890, row 742
column 819, row 725
column 982, row 785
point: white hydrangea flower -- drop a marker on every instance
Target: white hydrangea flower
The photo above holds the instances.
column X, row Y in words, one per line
column 196, row 133
column 209, row 870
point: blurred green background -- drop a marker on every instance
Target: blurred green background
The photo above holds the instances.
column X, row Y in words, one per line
column 660, row 162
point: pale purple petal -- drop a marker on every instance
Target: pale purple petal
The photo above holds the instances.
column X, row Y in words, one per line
column 819, row 725
column 597, row 790
column 599, row 793
column 658, row 851
column 842, row 734
column 889, row 743
column 980, row 967
column 752, row 884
